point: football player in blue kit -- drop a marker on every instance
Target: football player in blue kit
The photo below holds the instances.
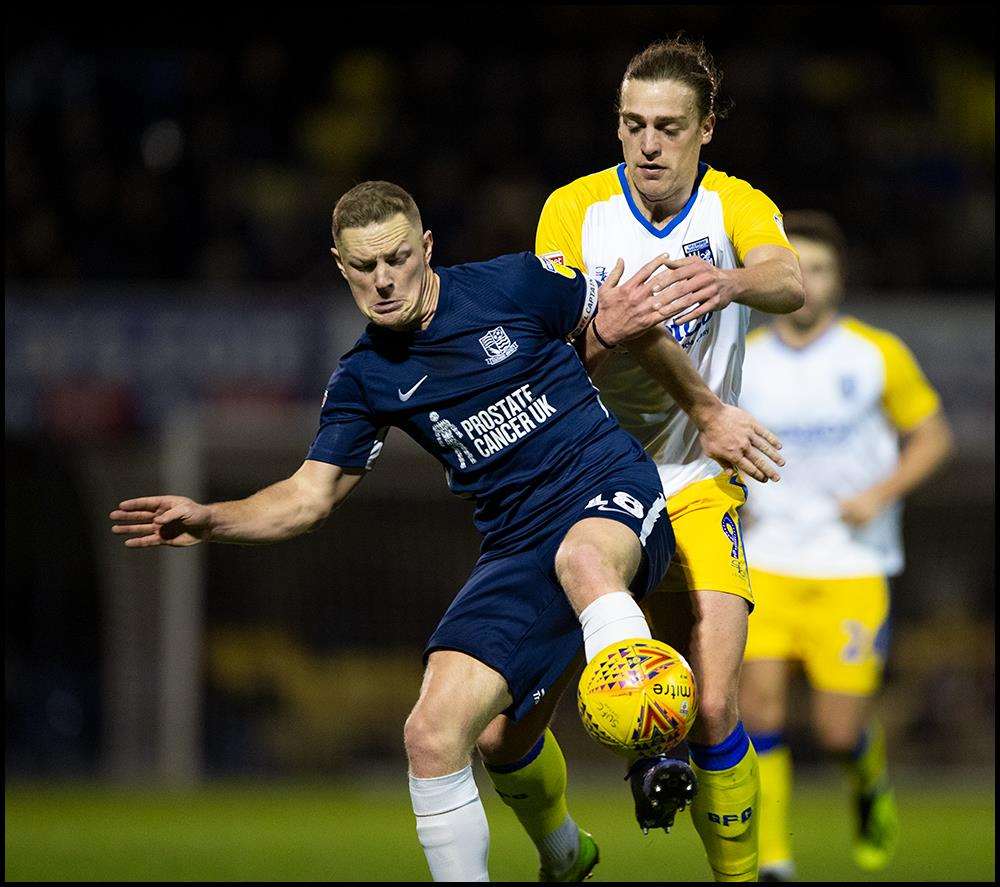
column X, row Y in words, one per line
column 474, row 362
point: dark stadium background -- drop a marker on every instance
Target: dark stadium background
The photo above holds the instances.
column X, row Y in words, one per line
column 172, row 315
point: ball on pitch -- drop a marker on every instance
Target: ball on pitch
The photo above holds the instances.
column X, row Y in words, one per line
column 638, row 696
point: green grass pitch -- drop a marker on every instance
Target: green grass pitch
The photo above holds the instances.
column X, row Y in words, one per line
column 364, row 832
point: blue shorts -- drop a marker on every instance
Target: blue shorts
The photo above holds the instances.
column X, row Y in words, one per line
column 513, row 615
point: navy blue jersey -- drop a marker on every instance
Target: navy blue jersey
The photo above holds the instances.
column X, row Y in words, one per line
column 492, row 389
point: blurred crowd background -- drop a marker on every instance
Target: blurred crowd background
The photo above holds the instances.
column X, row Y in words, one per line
column 197, row 157
column 172, row 315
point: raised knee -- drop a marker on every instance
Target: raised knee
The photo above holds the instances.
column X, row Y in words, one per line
column 430, row 745
column 575, row 559
column 417, row 734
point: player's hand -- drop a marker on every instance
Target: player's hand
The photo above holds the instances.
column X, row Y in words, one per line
column 162, row 520
column 860, row 509
column 629, row 309
column 692, row 288
column 736, row 440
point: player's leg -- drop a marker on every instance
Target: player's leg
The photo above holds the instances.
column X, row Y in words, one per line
column 528, row 770
column 459, row 697
column 595, row 564
column 709, row 627
column 847, row 732
column 613, row 554
column 708, row 624
column 514, row 614
column 591, row 563
column 763, row 704
column 780, row 626
column 846, row 672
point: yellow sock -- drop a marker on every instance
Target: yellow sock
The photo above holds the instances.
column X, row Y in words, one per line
column 535, row 788
column 727, row 807
column 775, row 763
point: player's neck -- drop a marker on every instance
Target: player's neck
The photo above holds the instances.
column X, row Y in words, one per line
column 798, row 336
column 431, row 289
column 660, row 212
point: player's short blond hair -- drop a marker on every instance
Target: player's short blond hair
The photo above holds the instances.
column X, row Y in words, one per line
column 373, row 202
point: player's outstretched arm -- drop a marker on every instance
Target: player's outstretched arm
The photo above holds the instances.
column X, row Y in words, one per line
column 727, row 434
column 281, row 511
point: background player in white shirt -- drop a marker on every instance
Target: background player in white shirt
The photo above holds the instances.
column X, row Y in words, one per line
column 728, row 254
column 823, row 542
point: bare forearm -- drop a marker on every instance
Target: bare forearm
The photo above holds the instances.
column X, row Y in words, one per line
column 591, row 351
column 274, row 514
column 923, row 452
column 660, row 356
column 773, row 286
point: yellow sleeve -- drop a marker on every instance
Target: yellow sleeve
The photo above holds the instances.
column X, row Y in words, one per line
column 560, row 230
column 908, row 398
column 750, row 216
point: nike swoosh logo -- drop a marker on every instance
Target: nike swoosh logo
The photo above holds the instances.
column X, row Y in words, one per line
column 409, row 394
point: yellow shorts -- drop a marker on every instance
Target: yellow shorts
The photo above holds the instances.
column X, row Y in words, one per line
column 837, row 628
column 710, row 554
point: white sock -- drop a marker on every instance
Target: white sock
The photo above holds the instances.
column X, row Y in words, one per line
column 451, row 826
column 558, row 849
column 611, row 618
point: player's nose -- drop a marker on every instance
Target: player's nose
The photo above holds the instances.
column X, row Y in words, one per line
column 383, row 279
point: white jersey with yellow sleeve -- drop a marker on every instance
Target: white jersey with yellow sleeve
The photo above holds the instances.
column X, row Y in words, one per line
column 838, row 405
column 592, row 222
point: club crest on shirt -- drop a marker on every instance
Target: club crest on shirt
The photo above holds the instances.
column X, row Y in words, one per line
column 497, row 345
column 700, row 248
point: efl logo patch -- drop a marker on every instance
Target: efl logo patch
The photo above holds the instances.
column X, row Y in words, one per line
column 558, row 258
column 700, row 248
column 497, row 345
column 555, row 265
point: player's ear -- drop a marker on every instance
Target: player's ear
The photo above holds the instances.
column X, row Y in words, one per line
column 428, row 246
column 340, row 262
column 707, row 129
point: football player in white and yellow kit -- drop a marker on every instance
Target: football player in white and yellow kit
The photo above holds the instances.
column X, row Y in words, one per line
column 728, row 254
column 823, row 542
